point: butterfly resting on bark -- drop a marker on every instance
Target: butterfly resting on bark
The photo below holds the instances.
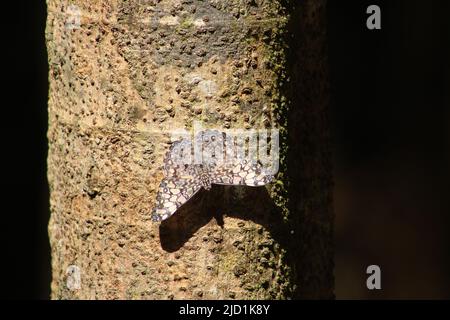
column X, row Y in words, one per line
column 221, row 163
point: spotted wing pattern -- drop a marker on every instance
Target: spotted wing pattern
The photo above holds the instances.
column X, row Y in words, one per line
column 183, row 178
column 181, row 182
column 242, row 172
column 173, row 193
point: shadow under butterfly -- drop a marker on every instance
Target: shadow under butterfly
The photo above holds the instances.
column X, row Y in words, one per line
column 245, row 203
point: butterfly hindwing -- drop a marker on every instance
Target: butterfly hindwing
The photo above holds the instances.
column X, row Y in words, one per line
column 172, row 194
column 243, row 172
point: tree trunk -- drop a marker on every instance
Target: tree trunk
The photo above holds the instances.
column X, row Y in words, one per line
column 123, row 75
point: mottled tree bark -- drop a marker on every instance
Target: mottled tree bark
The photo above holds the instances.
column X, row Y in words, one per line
column 127, row 75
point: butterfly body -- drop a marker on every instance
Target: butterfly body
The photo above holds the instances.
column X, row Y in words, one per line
column 205, row 180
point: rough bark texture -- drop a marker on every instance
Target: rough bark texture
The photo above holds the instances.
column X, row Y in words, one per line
column 120, row 83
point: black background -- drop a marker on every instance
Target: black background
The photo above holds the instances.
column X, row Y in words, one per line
column 390, row 113
column 391, row 129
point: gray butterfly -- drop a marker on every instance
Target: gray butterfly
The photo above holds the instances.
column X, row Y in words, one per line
column 220, row 164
